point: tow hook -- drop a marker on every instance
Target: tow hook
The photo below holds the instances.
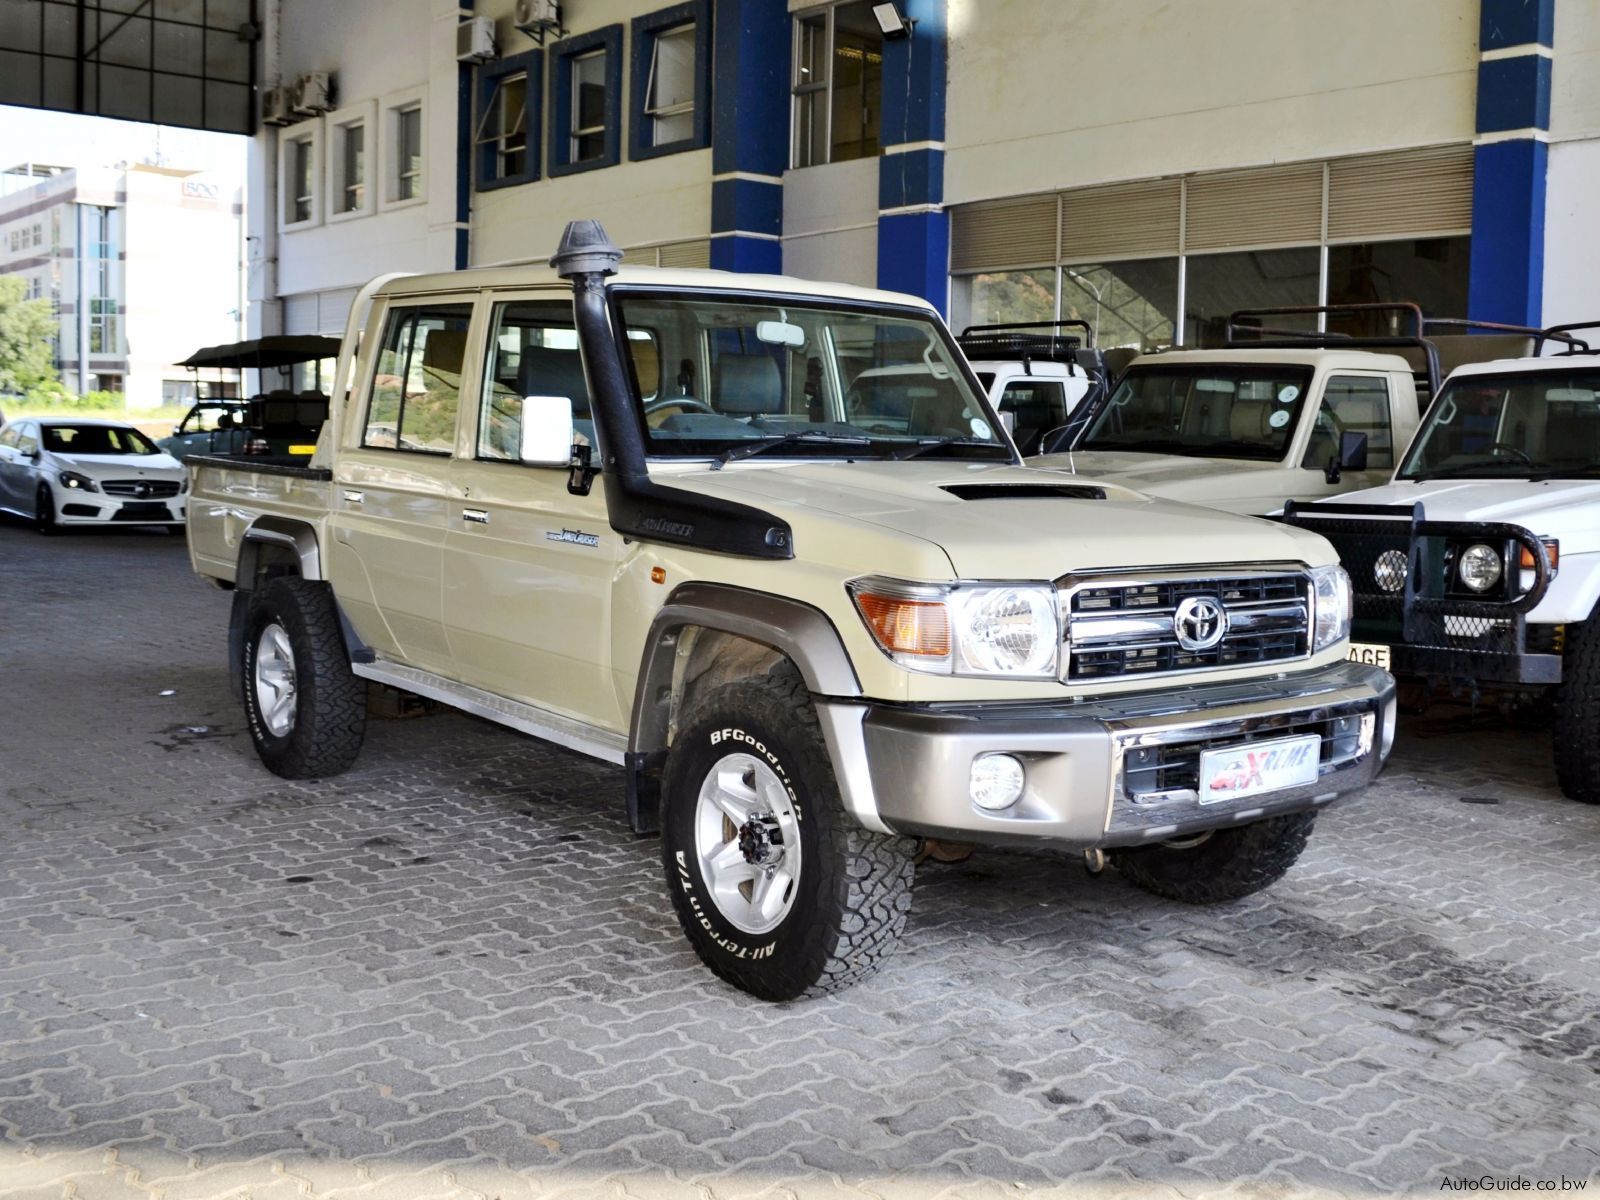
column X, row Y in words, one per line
column 1094, row 861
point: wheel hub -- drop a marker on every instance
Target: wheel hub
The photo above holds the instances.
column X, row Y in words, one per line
column 761, row 840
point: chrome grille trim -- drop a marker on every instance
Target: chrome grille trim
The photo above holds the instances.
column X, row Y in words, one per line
column 1119, row 625
column 144, row 489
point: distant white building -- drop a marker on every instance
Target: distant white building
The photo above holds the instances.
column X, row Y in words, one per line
column 141, row 265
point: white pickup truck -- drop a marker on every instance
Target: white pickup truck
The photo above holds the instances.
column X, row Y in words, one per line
column 668, row 519
column 1478, row 564
column 1276, row 415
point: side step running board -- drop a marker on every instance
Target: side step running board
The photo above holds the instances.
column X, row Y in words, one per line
column 551, row 727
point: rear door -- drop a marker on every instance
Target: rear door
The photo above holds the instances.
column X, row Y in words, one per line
column 528, row 566
column 394, row 489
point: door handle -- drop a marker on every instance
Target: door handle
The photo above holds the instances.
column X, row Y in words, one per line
column 476, row 515
column 354, row 497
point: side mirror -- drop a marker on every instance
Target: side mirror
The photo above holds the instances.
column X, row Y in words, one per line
column 176, row 430
column 1352, row 456
column 546, row 431
column 1353, row 451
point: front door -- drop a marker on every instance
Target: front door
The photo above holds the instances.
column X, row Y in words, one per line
column 15, row 469
column 1351, row 403
column 528, row 566
column 394, row 491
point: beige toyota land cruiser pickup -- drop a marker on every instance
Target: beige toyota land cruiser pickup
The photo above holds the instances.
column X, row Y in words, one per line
column 670, row 519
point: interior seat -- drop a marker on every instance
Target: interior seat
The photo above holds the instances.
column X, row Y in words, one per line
column 746, row 385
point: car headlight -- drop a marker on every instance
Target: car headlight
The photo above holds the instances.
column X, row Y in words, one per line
column 1009, row 629
column 1330, row 605
column 77, row 482
column 1479, row 567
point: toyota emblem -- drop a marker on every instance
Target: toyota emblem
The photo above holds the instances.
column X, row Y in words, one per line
column 1200, row 623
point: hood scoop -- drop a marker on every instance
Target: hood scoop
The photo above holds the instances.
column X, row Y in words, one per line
column 1025, row 491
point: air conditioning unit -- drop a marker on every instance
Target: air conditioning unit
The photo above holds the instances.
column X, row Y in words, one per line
column 537, row 18
column 275, row 107
column 475, row 40
column 313, row 93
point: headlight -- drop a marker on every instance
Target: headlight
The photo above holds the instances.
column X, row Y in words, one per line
column 78, row 483
column 1479, row 567
column 1011, row 630
column 1330, row 602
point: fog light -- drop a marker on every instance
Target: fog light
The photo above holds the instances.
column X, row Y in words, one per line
column 996, row 781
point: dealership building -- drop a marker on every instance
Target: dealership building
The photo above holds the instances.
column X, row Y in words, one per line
column 1145, row 166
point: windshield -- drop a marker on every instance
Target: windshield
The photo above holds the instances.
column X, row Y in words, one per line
column 1516, row 425
column 1214, row 410
column 96, row 439
column 720, row 374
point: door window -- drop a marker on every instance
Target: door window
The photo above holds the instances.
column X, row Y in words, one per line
column 416, row 389
column 9, row 437
column 533, row 352
column 1353, row 404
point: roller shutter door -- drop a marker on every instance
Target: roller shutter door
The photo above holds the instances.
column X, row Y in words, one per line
column 1410, row 193
column 318, row 312
column 1270, row 206
column 1128, row 220
column 1017, row 233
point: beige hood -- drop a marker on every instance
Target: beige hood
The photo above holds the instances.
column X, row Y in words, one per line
column 989, row 533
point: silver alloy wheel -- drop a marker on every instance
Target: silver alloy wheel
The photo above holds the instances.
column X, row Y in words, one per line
column 274, row 680
column 747, row 838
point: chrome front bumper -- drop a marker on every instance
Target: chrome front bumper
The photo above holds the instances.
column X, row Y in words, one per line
column 1100, row 772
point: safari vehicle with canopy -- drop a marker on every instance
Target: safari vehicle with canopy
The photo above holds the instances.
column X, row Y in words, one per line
column 279, row 421
column 764, row 543
column 1478, row 565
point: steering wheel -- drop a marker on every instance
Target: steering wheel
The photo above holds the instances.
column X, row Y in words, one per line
column 1516, row 452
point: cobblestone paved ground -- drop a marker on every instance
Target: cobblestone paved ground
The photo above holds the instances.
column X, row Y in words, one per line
column 453, row 971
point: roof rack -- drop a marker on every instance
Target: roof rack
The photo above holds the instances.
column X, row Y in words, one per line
column 1268, row 337
column 1561, row 333
column 1016, row 341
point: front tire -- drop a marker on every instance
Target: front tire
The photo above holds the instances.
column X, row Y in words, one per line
column 777, row 888
column 1225, row 864
column 306, row 710
column 1577, row 726
column 44, row 510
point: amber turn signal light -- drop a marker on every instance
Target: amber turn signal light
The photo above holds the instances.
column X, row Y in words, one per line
column 905, row 626
column 1552, row 551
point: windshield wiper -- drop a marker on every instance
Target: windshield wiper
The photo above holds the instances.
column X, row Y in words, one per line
column 1466, row 470
column 762, row 445
column 921, row 448
column 1149, row 446
column 1582, row 472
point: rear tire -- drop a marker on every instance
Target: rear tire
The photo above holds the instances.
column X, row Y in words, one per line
column 306, row 710
column 1226, row 865
column 793, row 898
column 1577, row 725
column 44, row 510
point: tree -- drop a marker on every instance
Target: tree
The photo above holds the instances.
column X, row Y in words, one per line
column 26, row 330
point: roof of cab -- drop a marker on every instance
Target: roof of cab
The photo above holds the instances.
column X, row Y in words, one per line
column 1553, row 362
column 1348, row 360
column 538, row 275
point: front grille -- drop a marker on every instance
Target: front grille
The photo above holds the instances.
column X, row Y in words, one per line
column 1126, row 629
column 154, row 489
column 1151, row 773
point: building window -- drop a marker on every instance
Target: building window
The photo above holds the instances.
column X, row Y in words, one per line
column 671, row 85
column 507, row 138
column 586, row 102
column 1433, row 272
column 408, row 152
column 1132, row 304
column 102, row 325
column 1216, row 285
column 298, row 176
column 352, row 167
column 838, row 83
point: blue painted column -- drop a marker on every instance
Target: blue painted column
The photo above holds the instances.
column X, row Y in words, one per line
column 749, row 134
column 913, row 226
column 1510, row 156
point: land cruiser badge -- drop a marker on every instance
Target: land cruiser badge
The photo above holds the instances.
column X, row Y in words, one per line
column 573, row 536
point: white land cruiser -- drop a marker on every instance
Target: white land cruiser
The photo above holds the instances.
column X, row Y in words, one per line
column 1276, row 415
column 651, row 516
column 1035, row 375
column 1479, row 563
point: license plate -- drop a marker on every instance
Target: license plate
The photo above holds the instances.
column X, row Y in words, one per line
column 1370, row 654
column 1248, row 770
